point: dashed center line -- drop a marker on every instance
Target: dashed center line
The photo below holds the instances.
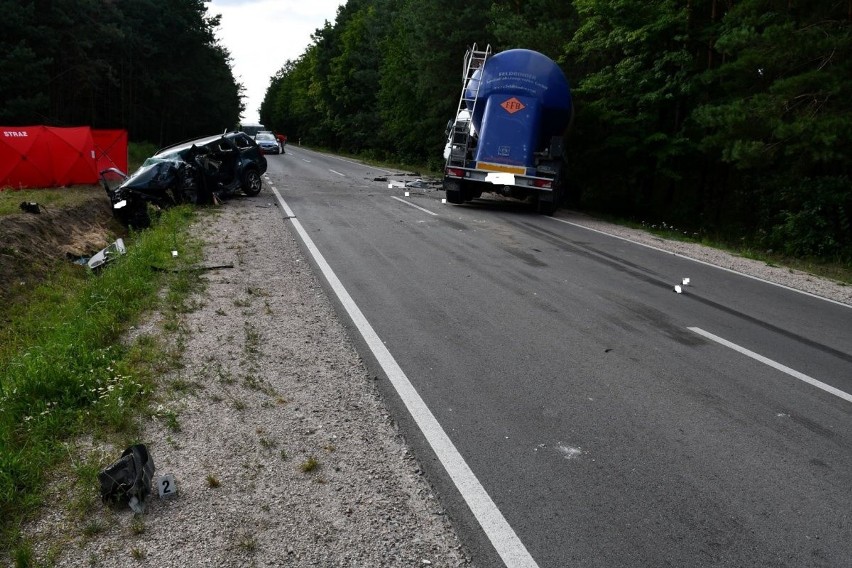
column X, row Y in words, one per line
column 774, row 364
column 413, row 205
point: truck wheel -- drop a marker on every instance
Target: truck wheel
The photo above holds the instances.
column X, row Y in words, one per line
column 455, row 197
column 548, row 207
column 453, row 188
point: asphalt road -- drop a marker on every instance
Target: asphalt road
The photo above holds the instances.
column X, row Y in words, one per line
column 611, row 421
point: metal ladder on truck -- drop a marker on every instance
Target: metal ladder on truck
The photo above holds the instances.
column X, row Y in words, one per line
column 460, row 134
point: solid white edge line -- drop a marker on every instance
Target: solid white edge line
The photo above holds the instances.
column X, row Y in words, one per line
column 775, row 365
column 510, row 548
column 705, row 263
column 413, row 205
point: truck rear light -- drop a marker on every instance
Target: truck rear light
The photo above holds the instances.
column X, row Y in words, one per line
column 455, row 172
column 544, row 183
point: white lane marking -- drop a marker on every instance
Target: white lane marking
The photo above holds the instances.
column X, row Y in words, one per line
column 775, row 365
column 652, row 247
column 338, row 173
column 306, row 160
column 362, row 164
column 510, row 548
column 413, row 205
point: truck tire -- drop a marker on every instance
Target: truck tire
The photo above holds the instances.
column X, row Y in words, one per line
column 455, row 197
column 557, row 195
column 547, row 207
column 453, row 189
column 551, row 204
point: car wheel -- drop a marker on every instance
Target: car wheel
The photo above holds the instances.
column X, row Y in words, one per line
column 252, row 183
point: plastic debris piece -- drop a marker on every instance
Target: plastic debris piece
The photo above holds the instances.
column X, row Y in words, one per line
column 136, row 505
column 686, row 281
column 678, row 289
column 107, row 254
column 128, row 480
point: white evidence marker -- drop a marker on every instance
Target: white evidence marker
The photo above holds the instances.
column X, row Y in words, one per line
column 167, row 486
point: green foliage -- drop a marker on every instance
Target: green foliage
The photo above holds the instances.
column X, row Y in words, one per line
column 634, row 95
column 815, row 219
column 516, row 24
column 377, row 80
column 117, row 65
column 783, row 96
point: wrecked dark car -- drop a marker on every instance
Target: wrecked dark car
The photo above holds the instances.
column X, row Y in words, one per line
column 199, row 171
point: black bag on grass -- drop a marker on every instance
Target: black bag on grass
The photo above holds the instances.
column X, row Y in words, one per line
column 128, row 480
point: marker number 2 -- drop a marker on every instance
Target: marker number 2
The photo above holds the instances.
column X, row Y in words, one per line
column 167, row 486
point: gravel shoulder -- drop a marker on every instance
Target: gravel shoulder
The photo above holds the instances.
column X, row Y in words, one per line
column 795, row 279
column 282, row 450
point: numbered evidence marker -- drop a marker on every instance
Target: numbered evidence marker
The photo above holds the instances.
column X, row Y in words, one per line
column 166, row 486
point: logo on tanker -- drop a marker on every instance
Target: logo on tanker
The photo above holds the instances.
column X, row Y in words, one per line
column 513, row 105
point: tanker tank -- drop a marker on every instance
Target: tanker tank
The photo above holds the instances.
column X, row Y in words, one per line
column 510, row 130
column 523, row 101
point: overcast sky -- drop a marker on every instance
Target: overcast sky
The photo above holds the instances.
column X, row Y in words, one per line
column 262, row 35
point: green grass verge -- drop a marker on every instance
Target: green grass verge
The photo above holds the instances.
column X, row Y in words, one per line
column 837, row 270
column 65, row 371
column 11, row 199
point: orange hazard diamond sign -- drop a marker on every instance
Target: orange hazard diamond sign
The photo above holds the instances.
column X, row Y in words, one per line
column 513, row 105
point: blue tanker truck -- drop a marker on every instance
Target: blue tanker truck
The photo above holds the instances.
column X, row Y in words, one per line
column 508, row 134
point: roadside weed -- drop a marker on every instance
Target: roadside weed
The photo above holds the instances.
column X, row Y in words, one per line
column 137, row 525
column 309, row 464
